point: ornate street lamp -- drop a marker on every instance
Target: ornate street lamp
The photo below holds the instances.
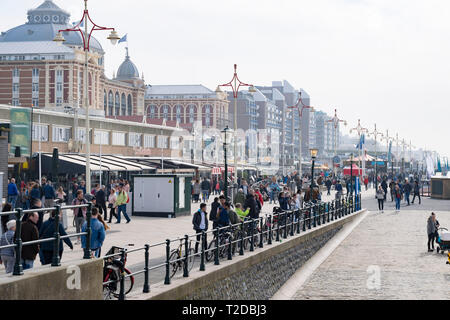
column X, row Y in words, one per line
column 224, row 132
column 375, row 134
column 360, row 130
column 335, row 121
column 314, row 153
column 86, row 36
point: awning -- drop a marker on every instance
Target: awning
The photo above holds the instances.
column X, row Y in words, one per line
column 122, row 161
column 95, row 163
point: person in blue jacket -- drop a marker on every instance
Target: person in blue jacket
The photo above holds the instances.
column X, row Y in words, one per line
column 98, row 234
column 47, row 230
column 13, row 193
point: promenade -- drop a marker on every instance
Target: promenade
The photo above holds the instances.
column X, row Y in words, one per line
column 385, row 257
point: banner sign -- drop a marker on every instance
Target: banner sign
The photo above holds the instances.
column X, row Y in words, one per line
column 20, row 130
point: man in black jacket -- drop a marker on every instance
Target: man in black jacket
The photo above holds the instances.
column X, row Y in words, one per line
column 100, row 199
column 200, row 222
column 250, row 202
column 29, row 233
column 214, row 209
column 46, row 231
column 384, row 186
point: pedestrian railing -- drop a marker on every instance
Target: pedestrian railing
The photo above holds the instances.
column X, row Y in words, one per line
column 234, row 239
column 56, row 212
column 425, row 189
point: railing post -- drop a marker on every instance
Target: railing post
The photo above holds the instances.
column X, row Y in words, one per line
column 87, row 250
column 55, row 260
column 298, row 215
column 230, row 256
column 216, row 251
column 202, row 257
column 146, row 274
column 167, row 279
column 122, row 277
column 292, row 223
column 241, row 249
column 252, row 227
column 261, row 245
column 314, row 209
column 285, row 225
column 304, row 219
column 278, row 228
column 328, row 212
column 18, row 269
column 319, row 214
column 310, row 212
column 186, row 257
column 269, row 242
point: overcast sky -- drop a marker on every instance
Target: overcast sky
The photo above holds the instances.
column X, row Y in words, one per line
column 381, row 61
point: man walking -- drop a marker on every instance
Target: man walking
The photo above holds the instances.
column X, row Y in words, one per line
column 200, row 222
column 79, row 214
column 384, row 186
column 30, row 232
column 206, row 187
column 416, row 192
column 328, row 184
column 100, row 199
column 49, row 194
column 97, row 234
column 407, row 190
column 121, row 202
column 13, row 193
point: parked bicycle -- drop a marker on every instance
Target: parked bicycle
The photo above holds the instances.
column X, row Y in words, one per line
column 113, row 269
column 177, row 258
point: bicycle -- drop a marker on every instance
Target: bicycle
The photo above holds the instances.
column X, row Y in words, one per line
column 225, row 239
column 113, row 269
column 176, row 258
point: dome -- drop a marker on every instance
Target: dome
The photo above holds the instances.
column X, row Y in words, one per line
column 127, row 70
column 43, row 24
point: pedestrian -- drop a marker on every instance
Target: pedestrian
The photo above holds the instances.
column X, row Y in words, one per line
column 49, row 194
column 398, row 197
column 214, row 210
column 380, row 196
column 274, row 188
column 4, row 219
column 385, row 187
column 112, row 205
column 217, row 188
column 392, row 187
column 7, row 256
column 241, row 214
column 206, row 187
column 432, row 228
column 416, row 192
column 250, row 203
column 200, row 223
column 35, row 192
column 13, row 193
column 79, row 214
column 223, row 219
column 240, row 196
column 328, row 184
column 29, row 233
column 100, row 199
column 366, row 182
column 407, row 190
column 61, row 195
column 82, row 187
column 234, row 219
column 48, row 231
column 121, row 202
column 196, row 191
column 98, row 233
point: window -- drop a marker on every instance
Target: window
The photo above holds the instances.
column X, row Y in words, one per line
column 178, row 113
column 130, row 105
column 134, row 139
column 163, row 142
column 35, row 87
column 151, row 112
column 101, row 137
column 35, row 72
column 105, row 103
column 81, row 134
column 59, row 73
column 58, row 101
column 40, row 131
column 191, row 114
column 118, row 138
column 110, row 103
column 149, row 141
column 117, row 104
column 123, row 104
column 15, row 102
column 35, row 102
column 174, row 143
column 61, row 134
column 165, row 112
column 15, row 87
column 59, row 87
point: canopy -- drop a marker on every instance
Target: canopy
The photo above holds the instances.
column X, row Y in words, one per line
column 356, row 171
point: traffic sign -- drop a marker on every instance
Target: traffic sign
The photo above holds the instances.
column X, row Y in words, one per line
column 336, row 159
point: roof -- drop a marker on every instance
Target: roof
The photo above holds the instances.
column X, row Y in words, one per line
column 36, row 47
column 127, row 70
column 178, row 89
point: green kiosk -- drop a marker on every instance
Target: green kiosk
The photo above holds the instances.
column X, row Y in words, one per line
column 161, row 195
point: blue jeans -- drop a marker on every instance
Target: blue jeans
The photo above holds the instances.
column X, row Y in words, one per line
column 407, row 197
column 12, row 200
column 397, row 203
column 122, row 208
column 27, row 264
column 205, row 195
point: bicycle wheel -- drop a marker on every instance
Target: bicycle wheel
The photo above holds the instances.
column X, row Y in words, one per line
column 128, row 283
column 191, row 259
column 111, row 289
column 210, row 253
column 173, row 264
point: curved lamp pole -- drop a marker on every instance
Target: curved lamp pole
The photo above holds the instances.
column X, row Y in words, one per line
column 300, row 114
column 388, row 140
column 235, row 85
column 86, row 36
column 375, row 134
column 335, row 121
column 360, row 130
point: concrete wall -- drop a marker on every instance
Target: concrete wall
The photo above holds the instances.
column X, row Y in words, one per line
column 256, row 275
column 77, row 281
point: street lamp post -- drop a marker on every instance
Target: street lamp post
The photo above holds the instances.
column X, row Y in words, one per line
column 375, row 134
column 360, row 130
column 86, row 36
column 235, row 85
column 351, row 175
column 300, row 114
column 313, row 157
column 225, row 161
column 335, row 121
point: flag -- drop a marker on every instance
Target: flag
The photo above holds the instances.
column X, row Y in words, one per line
column 361, row 142
column 124, row 38
column 439, row 168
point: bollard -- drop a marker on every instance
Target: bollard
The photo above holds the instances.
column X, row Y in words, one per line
column 186, row 257
column 261, row 245
column 241, row 249
column 122, row 277
column 18, row 269
column 229, row 240
column 87, row 250
column 269, row 242
column 167, row 279
column 146, row 274
column 216, row 251
column 202, row 256
column 252, row 244
column 56, row 260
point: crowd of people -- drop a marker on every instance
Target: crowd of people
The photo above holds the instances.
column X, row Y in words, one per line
column 35, row 195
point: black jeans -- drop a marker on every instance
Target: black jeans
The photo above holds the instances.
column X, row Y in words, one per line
column 414, row 198
column 48, row 256
column 102, row 210
column 199, row 239
column 112, row 213
column 381, row 204
column 431, row 237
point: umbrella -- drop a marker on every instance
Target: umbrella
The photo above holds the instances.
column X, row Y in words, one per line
column 356, row 170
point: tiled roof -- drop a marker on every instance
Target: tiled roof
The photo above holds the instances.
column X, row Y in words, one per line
column 33, row 47
column 178, row 89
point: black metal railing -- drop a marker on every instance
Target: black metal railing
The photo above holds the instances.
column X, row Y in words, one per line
column 18, row 244
column 236, row 239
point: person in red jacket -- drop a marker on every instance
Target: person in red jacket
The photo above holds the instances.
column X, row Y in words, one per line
column 259, row 196
column 366, row 181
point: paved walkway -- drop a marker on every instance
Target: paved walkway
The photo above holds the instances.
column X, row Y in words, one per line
column 391, row 245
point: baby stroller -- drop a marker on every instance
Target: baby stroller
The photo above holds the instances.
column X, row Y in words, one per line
column 443, row 240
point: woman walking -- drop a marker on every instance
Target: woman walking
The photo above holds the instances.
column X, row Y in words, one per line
column 432, row 227
column 380, row 197
column 398, row 197
column 112, row 204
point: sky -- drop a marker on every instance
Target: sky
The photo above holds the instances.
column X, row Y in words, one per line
column 381, row 61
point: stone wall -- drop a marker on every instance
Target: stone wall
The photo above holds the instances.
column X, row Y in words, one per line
column 262, row 281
